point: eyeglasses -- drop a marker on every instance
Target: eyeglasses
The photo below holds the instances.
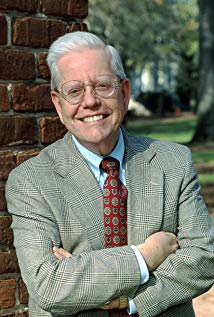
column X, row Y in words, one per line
column 103, row 86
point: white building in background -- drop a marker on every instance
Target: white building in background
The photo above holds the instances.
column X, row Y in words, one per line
column 158, row 77
column 154, row 78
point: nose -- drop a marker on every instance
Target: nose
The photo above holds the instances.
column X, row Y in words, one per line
column 89, row 98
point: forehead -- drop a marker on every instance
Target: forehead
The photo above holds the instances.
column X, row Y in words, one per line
column 84, row 64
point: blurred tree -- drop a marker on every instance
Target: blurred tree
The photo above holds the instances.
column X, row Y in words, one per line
column 205, row 111
column 187, row 80
column 146, row 30
column 151, row 31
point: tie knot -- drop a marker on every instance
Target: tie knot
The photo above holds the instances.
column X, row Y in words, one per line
column 109, row 164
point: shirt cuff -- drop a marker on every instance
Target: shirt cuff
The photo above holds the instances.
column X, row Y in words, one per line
column 132, row 309
column 144, row 273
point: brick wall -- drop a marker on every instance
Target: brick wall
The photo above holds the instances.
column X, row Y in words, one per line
column 28, row 120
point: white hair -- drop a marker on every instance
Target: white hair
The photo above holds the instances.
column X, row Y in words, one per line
column 74, row 42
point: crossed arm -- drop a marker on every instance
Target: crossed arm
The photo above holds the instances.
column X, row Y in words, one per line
column 154, row 250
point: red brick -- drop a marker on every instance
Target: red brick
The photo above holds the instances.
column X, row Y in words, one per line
column 7, row 293
column 3, row 28
column 17, row 65
column 18, row 130
column 3, row 204
column 25, row 155
column 72, row 8
column 9, row 262
column 6, row 233
column 20, row 5
column 36, row 32
column 77, row 27
column 43, row 68
column 4, row 102
column 23, row 293
column 51, row 130
column 33, row 99
column 7, row 163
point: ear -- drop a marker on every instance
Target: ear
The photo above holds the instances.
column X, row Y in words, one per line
column 126, row 91
column 57, row 103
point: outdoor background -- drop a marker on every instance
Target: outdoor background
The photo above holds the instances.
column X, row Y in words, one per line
column 167, row 47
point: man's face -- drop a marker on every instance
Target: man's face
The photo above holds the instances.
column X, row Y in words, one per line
column 95, row 120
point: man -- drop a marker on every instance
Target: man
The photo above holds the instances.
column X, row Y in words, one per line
column 58, row 202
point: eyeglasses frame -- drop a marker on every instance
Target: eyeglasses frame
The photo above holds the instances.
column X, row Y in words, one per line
column 117, row 83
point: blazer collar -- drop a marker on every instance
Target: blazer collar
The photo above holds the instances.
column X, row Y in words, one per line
column 65, row 155
column 133, row 148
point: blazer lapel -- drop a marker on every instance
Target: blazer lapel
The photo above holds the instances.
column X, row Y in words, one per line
column 82, row 193
column 145, row 185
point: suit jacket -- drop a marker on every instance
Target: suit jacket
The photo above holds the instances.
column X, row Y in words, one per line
column 55, row 200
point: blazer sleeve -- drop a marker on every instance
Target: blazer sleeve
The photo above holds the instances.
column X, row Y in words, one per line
column 64, row 287
column 190, row 271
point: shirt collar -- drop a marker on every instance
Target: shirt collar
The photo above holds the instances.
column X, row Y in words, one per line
column 94, row 160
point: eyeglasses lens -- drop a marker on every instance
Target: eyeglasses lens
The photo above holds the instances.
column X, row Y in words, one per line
column 103, row 86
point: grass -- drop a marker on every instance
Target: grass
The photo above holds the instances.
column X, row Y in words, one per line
column 178, row 130
column 200, row 157
column 206, row 178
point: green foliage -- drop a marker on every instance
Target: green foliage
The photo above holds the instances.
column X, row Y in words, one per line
column 146, row 30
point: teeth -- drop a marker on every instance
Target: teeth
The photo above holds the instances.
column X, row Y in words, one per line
column 94, row 118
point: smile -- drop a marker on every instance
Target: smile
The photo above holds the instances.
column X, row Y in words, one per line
column 93, row 118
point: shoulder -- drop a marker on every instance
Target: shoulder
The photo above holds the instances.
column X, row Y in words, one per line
column 164, row 146
column 162, row 150
column 42, row 163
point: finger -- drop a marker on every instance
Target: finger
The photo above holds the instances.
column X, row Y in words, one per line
column 103, row 307
column 173, row 239
column 60, row 252
column 58, row 255
column 171, row 235
column 54, row 249
column 175, row 247
column 64, row 253
column 113, row 304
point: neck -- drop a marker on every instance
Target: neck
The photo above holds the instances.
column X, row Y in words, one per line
column 103, row 148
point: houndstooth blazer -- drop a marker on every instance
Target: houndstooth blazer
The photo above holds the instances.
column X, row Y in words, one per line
column 55, row 199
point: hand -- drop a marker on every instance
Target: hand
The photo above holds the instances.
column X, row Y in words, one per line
column 119, row 303
column 114, row 303
column 157, row 247
column 60, row 253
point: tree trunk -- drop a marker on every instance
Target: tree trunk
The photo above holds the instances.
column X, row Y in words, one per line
column 205, row 110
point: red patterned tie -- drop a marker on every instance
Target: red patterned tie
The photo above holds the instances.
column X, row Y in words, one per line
column 114, row 205
column 115, row 213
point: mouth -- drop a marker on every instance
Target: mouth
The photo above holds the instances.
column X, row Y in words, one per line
column 94, row 118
